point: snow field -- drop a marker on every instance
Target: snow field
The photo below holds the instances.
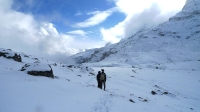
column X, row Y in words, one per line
column 128, row 88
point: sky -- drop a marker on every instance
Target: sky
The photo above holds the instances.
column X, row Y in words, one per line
column 58, row 28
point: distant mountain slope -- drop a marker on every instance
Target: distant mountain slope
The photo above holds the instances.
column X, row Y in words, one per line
column 178, row 39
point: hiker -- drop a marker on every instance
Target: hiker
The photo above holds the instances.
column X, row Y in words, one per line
column 103, row 79
column 98, row 80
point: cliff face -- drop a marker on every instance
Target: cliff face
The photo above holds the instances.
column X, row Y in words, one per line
column 191, row 5
column 175, row 40
column 191, row 9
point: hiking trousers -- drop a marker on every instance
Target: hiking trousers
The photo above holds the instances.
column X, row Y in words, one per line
column 99, row 84
column 104, row 84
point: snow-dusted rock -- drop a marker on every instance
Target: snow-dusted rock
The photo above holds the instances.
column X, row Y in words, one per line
column 8, row 53
column 190, row 10
column 38, row 69
column 86, row 69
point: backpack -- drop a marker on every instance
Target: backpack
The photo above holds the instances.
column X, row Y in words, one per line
column 102, row 77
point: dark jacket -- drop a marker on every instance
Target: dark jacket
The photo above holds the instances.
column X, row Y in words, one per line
column 98, row 77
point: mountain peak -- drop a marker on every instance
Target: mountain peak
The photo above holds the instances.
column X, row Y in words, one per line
column 190, row 10
column 192, row 5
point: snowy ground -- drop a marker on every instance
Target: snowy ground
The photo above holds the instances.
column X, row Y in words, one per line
column 129, row 88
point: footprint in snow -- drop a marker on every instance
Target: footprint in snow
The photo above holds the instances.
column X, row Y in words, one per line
column 102, row 105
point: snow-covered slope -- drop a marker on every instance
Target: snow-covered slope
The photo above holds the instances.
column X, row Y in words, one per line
column 169, row 87
column 175, row 40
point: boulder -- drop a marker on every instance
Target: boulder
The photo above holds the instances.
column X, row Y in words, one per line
column 153, row 92
column 7, row 53
column 38, row 69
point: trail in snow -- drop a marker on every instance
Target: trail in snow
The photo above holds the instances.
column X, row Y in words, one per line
column 104, row 104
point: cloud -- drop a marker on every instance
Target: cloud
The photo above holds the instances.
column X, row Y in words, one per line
column 132, row 7
column 137, row 6
column 97, row 18
column 22, row 33
column 52, row 42
column 146, row 19
column 94, row 12
column 78, row 32
column 78, row 14
column 113, row 35
column 140, row 14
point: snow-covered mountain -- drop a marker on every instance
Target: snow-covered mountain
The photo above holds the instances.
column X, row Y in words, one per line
column 178, row 39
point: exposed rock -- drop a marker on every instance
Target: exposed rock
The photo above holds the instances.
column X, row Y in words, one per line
column 70, row 66
column 131, row 100
column 145, row 100
column 190, row 10
column 41, row 73
column 38, row 69
column 153, row 92
column 96, row 56
column 161, row 34
column 166, row 93
column 7, row 53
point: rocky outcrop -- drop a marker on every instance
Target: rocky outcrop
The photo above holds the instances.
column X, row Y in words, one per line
column 7, row 53
column 190, row 10
column 96, row 56
column 38, row 69
column 192, row 5
column 42, row 73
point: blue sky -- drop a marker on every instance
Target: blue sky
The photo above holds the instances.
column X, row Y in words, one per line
column 60, row 28
column 66, row 14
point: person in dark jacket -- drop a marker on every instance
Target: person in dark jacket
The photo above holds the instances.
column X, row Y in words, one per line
column 98, row 80
column 103, row 78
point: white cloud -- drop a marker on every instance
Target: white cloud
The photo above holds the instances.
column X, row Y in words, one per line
column 94, row 12
column 53, row 42
column 132, row 7
column 78, row 14
column 5, row 4
column 146, row 19
column 113, row 34
column 137, row 6
column 140, row 13
column 78, row 32
column 97, row 18
column 21, row 32
column 50, row 28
